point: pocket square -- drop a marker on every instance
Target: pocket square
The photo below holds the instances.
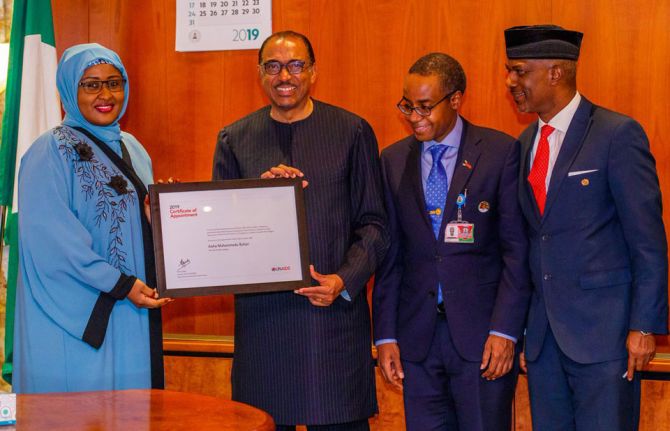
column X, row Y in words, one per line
column 572, row 174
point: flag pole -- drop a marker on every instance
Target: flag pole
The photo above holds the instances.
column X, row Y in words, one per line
column 32, row 107
column 2, row 236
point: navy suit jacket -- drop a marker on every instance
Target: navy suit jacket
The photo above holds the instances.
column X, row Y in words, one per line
column 598, row 255
column 485, row 284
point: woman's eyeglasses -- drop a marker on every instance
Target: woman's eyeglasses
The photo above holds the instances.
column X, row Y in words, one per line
column 94, row 86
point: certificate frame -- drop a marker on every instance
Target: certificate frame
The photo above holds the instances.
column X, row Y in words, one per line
column 158, row 197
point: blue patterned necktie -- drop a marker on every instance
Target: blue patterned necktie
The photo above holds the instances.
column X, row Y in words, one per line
column 436, row 188
column 436, row 194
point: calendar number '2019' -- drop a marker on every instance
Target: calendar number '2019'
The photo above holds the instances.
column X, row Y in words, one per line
column 242, row 34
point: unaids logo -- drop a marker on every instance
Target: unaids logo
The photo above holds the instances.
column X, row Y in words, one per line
column 281, row 268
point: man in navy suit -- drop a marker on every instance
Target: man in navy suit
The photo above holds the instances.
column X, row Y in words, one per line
column 598, row 252
column 450, row 299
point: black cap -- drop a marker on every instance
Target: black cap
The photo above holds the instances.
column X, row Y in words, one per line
column 542, row 41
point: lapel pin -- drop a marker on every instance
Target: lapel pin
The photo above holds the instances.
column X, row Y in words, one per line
column 585, row 182
column 483, row 207
column 467, row 164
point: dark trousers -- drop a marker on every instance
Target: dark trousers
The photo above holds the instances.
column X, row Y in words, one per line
column 446, row 393
column 568, row 396
column 361, row 425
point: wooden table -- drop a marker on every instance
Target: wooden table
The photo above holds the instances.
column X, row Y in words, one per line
column 136, row 410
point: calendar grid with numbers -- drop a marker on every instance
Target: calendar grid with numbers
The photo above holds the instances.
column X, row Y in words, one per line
column 208, row 25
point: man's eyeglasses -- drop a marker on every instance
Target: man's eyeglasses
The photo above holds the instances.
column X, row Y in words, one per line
column 406, row 108
column 94, row 86
column 294, row 67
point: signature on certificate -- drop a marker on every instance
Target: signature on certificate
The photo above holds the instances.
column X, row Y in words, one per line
column 183, row 263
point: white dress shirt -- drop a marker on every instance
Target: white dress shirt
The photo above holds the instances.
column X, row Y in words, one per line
column 560, row 122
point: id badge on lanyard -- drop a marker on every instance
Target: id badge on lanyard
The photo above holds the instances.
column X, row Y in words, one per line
column 459, row 230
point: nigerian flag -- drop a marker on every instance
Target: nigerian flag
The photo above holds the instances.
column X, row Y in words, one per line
column 31, row 107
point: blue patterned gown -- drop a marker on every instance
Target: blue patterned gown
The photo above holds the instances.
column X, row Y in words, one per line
column 80, row 235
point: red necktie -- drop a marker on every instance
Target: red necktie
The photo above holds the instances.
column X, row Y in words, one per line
column 538, row 173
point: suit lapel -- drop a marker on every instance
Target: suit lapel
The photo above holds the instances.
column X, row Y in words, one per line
column 526, row 196
column 413, row 170
column 468, row 154
column 571, row 144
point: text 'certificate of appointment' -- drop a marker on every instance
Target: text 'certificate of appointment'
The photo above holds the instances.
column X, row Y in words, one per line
column 237, row 236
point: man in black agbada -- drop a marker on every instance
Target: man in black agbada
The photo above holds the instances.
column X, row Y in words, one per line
column 305, row 356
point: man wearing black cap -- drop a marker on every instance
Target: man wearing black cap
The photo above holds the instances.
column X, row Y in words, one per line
column 598, row 251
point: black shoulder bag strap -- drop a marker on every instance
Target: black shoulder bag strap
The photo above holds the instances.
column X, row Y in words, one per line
column 124, row 164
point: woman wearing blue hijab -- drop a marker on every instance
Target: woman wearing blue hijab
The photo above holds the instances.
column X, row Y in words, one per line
column 85, row 318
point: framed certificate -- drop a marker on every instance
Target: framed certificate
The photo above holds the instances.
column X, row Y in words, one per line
column 238, row 236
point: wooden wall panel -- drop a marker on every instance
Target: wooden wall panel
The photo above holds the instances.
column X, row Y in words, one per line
column 70, row 22
column 655, row 410
column 371, row 50
column 179, row 101
column 202, row 375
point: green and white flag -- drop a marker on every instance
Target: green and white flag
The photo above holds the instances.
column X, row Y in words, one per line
column 32, row 107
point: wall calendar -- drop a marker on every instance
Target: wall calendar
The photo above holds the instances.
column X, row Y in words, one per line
column 223, row 24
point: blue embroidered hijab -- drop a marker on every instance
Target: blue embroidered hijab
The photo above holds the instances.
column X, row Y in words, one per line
column 71, row 68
